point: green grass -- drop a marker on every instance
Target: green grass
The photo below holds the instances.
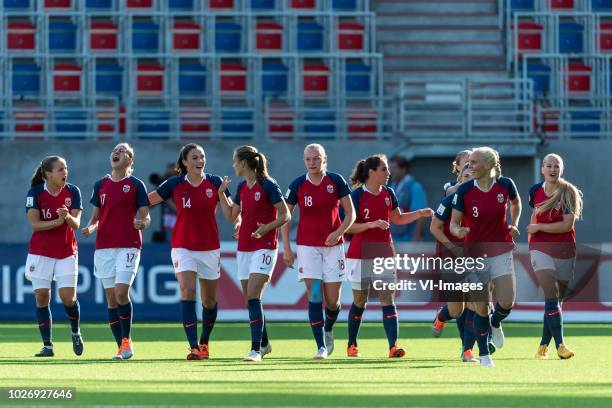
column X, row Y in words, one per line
column 430, row 375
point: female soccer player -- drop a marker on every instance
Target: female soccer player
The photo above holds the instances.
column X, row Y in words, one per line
column 116, row 200
column 54, row 209
column 196, row 253
column 482, row 204
column 376, row 206
column 262, row 208
column 320, row 249
column 557, row 204
column 449, row 246
column 459, row 163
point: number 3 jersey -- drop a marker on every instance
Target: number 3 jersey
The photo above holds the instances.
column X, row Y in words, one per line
column 319, row 207
column 118, row 202
column 484, row 213
column 59, row 242
column 196, row 207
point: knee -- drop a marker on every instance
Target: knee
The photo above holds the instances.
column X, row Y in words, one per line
column 506, row 304
column 361, row 303
column 188, row 294
column 42, row 300
column 210, row 303
column 68, row 299
column 122, row 296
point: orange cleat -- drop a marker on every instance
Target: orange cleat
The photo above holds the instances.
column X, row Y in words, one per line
column 126, row 349
column 353, row 351
column 396, row 352
column 468, row 356
column 204, row 354
column 436, row 327
column 194, row 355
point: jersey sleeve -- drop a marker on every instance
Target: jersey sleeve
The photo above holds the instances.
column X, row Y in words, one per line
column 77, row 203
column 356, row 197
column 95, row 194
column 291, row 194
column 394, row 203
column 509, row 185
column 443, row 212
column 273, row 191
column 459, row 195
column 237, row 195
column 532, row 193
column 32, row 198
column 142, row 200
column 217, row 181
column 166, row 188
column 340, row 182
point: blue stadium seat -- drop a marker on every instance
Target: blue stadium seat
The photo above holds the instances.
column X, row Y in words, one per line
column 570, row 38
column 601, row 5
column 145, row 37
column 26, row 79
column 109, row 78
column 585, row 122
column 16, row 4
column 237, row 121
column 357, row 78
column 71, row 121
column 62, row 36
column 540, row 74
column 153, row 124
column 180, row 4
column 227, row 37
column 274, row 78
column 309, row 37
column 321, row 123
column 99, row 4
column 192, row 79
column 262, row 4
column 344, row 5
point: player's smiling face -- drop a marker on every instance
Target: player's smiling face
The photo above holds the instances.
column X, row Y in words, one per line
column 195, row 161
column 478, row 166
column 121, row 157
column 58, row 175
column 314, row 161
column 552, row 169
column 381, row 174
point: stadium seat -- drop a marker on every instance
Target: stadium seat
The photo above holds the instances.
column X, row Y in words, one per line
column 145, row 37
column 361, row 124
column 280, row 122
column 315, row 79
column 344, row 5
column 357, row 78
column 309, row 37
column 180, row 4
column 55, row 4
column 70, row 121
column 221, row 4
column 62, row 37
column 550, row 121
column 578, row 79
column 103, row 36
column 150, row 79
column 233, row 78
column 29, row 121
column 540, row 74
column 66, row 78
column 350, row 36
column 98, row 4
column 262, row 4
column 139, row 4
column 268, row 36
column 529, row 37
column 107, row 122
column 570, row 38
column 274, row 78
column 25, row 79
column 153, row 124
column 237, row 121
column 320, row 123
column 21, row 36
column 17, row 4
column 192, row 79
column 186, row 36
column 522, row 5
column 585, row 122
column 601, row 5
column 605, row 37
column 109, row 78
column 228, row 37
column 195, row 123
column 561, row 4
column 303, row 4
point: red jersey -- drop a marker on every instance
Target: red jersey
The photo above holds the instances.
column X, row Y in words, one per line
column 319, row 207
column 118, row 202
column 484, row 213
column 257, row 206
column 558, row 245
column 443, row 213
column 59, row 242
column 196, row 207
column 372, row 207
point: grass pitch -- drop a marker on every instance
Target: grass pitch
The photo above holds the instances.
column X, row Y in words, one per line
column 431, row 374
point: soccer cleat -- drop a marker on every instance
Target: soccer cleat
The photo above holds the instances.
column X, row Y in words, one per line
column 436, row 327
column 126, row 349
column 542, row 352
column 329, row 342
column 486, row 361
column 194, row 354
column 396, row 352
column 253, row 357
column 497, row 336
column 468, row 356
column 353, row 351
column 45, row 352
column 204, row 352
column 564, row 353
column 321, row 354
column 77, row 344
column 118, row 356
column 265, row 350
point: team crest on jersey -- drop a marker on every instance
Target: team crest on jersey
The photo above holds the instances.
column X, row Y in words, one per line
column 257, row 195
column 67, row 202
column 500, row 197
column 388, row 201
column 330, row 188
column 209, row 192
column 126, row 188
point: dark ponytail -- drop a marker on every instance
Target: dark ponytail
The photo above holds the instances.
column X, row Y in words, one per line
column 255, row 160
column 361, row 171
column 46, row 165
column 180, row 167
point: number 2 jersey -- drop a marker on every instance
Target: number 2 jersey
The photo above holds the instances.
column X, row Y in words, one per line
column 373, row 242
column 196, row 208
column 319, row 207
column 484, row 213
column 59, row 242
column 118, row 203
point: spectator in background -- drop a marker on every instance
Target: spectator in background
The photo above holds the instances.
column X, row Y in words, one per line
column 410, row 196
column 168, row 210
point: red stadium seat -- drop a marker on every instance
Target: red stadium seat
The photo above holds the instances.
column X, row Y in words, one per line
column 303, row 4
column 268, row 36
column 106, row 122
column 233, row 78
column 350, row 36
column 30, row 121
column 361, row 124
column 605, row 37
column 58, row 4
column 195, row 123
column 221, row 4
column 150, row 79
column 579, row 79
column 186, row 36
column 21, row 36
column 103, row 36
column 315, row 79
column 66, row 78
column 561, row 4
column 280, row 122
column 529, row 37
column 139, row 4
column 550, row 121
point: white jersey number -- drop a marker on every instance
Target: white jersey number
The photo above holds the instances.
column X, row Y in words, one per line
column 46, row 213
column 102, row 199
column 186, row 202
column 475, row 212
column 308, row 201
column 367, row 214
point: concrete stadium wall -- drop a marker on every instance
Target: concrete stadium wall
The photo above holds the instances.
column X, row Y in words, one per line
column 87, row 162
